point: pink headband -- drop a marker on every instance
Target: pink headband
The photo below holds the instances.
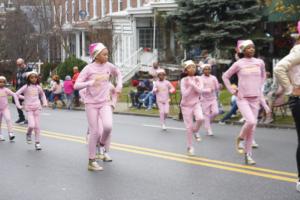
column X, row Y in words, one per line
column 244, row 44
column 298, row 27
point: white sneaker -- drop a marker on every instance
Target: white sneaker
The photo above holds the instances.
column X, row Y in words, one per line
column 190, row 151
column 38, row 146
column 254, row 144
column 222, row 123
column 268, row 120
column 94, row 166
column 2, row 138
column 11, row 136
column 249, row 160
column 239, row 145
column 242, row 120
column 163, row 126
column 242, row 145
column 209, row 132
column 197, row 137
column 298, row 186
column 104, row 155
column 107, row 158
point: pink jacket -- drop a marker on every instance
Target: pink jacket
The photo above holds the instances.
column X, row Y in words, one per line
column 251, row 74
column 95, row 78
column 113, row 95
column 162, row 90
column 32, row 94
column 191, row 88
column 4, row 93
column 68, row 87
column 210, row 87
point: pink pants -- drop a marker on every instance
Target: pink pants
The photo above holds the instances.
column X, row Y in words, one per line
column 163, row 111
column 188, row 114
column 34, row 123
column 100, row 126
column 6, row 115
column 249, row 108
column 210, row 111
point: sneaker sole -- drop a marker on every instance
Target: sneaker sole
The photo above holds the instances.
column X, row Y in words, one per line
column 95, row 169
column 250, row 163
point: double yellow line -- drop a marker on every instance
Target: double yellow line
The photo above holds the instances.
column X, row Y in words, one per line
column 198, row 161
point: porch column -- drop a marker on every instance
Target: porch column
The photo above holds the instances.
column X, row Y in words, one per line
column 83, row 53
column 77, row 45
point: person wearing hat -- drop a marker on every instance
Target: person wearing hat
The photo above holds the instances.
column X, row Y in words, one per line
column 95, row 78
column 191, row 87
column 208, row 98
column 32, row 95
column 4, row 110
column 287, row 72
column 22, row 69
column 251, row 75
column 162, row 88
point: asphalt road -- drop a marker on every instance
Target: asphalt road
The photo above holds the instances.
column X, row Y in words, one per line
column 148, row 163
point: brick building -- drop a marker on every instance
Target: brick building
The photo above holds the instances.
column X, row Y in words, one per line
column 128, row 27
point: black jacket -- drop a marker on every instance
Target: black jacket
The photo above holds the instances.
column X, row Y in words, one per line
column 21, row 76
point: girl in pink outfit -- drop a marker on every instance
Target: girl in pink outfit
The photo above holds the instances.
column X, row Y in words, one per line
column 68, row 90
column 100, row 153
column 191, row 88
column 4, row 111
column 162, row 88
column 251, row 75
column 98, row 104
column 209, row 97
column 32, row 92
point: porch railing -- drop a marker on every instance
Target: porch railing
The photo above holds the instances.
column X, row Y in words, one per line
column 131, row 65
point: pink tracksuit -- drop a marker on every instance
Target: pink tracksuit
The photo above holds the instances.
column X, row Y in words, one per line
column 32, row 106
column 162, row 90
column 251, row 74
column 209, row 99
column 4, row 111
column 191, row 88
column 98, row 104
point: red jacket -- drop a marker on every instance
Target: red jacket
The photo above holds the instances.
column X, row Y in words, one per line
column 75, row 76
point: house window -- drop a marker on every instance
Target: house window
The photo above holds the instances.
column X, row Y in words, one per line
column 95, row 8
column 67, row 10
column 128, row 4
column 110, row 6
column 87, row 7
column 120, row 5
column 79, row 5
column 103, row 8
column 73, row 10
column 146, row 38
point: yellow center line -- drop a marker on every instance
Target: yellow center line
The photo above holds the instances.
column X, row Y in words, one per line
column 250, row 170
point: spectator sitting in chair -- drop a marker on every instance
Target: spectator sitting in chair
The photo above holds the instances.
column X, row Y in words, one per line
column 136, row 93
column 148, row 97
